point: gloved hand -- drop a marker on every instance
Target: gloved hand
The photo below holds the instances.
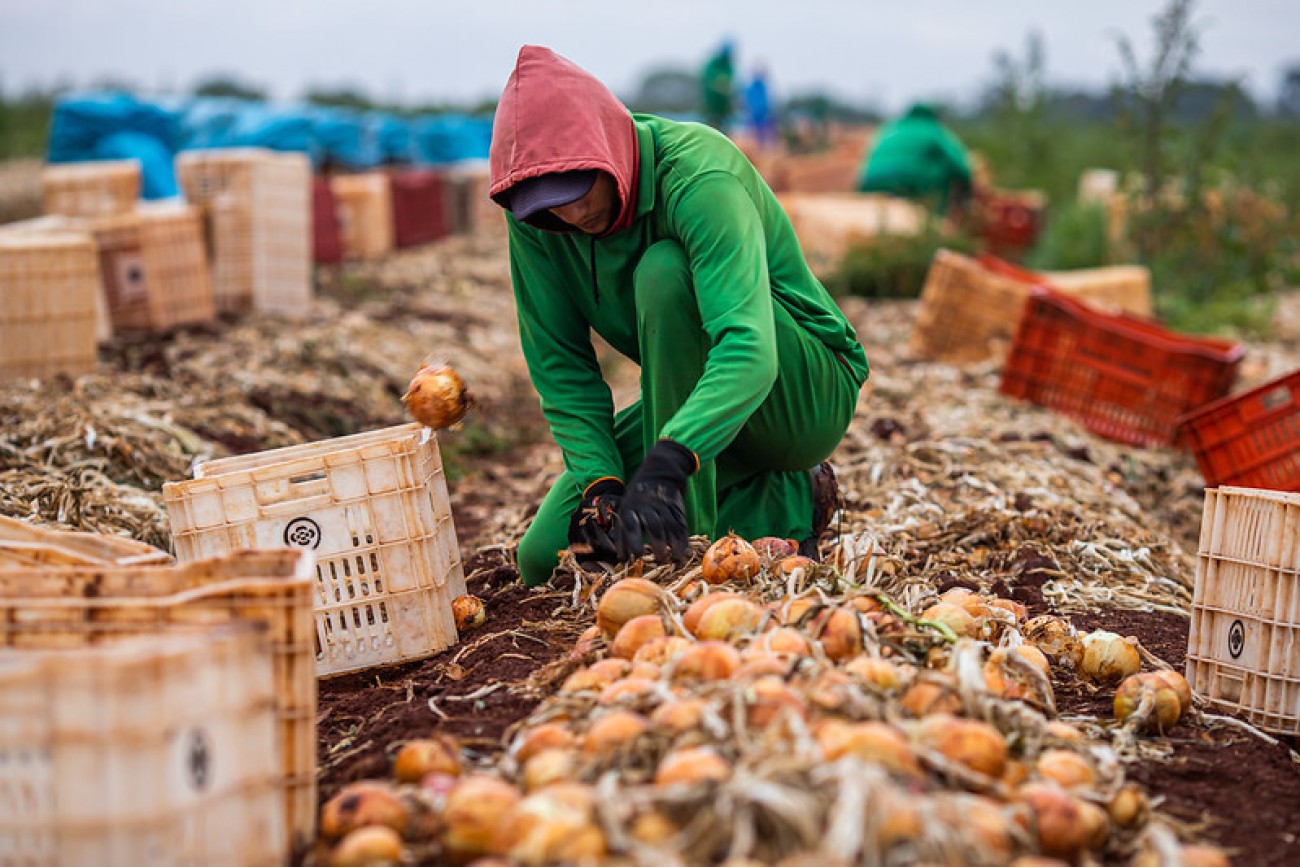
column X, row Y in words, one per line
column 592, row 525
column 653, row 511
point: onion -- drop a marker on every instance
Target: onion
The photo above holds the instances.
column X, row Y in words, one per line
column 545, row 736
column 626, row 687
column 660, row 651
column 1066, row 768
column 1018, row 611
column 1108, row 658
column 691, row 619
column 1053, row 636
column 1178, row 684
column 552, row 825
column 437, row 397
column 795, row 566
column 899, row 819
column 474, row 814
column 828, row 691
column 864, row 604
column 596, row 676
column 980, row 821
column 361, row 804
column 1147, row 702
column 730, row 558
column 635, row 633
column 692, row 765
column 1017, row 772
column 587, row 642
column 416, row 758
column 768, row 697
column 707, row 660
column 955, row 617
column 796, row 611
column 782, row 639
column 549, row 766
column 841, row 634
column 758, row 664
column 730, row 619
column 644, row 670
column 880, row 673
column 1060, row 823
column 371, row 846
column 1063, row 731
column 1004, row 676
column 468, row 611
column 679, row 715
column 961, row 597
column 652, row 828
column 1129, row 807
column 976, row 745
column 928, row 696
column 613, row 731
column 876, row 742
column 774, row 548
column 626, row 599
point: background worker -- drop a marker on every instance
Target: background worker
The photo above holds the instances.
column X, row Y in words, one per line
column 662, row 238
column 717, row 87
column 917, row 157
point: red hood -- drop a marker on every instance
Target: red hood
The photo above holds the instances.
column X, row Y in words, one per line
column 556, row 117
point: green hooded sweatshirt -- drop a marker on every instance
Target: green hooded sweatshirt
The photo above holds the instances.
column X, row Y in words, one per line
column 680, row 181
column 917, row 157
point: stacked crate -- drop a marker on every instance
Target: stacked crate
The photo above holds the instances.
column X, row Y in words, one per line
column 419, row 206
column 157, row 750
column 49, row 285
column 256, row 206
column 91, row 189
column 45, row 607
column 828, row 224
column 373, row 509
column 970, row 306
column 469, row 208
column 365, row 212
column 327, row 247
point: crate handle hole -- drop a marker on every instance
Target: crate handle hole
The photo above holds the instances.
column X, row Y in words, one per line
column 1276, row 398
column 307, row 478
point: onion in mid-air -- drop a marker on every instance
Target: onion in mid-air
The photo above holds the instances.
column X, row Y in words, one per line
column 437, row 397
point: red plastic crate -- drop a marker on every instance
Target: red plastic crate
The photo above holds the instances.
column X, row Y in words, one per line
column 1250, row 440
column 1008, row 223
column 327, row 245
column 419, row 206
column 1124, row 378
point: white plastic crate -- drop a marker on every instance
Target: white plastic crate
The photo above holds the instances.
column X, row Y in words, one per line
column 91, row 189
column 257, row 213
column 1243, row 648
column 372, row 507
column 23, row 544
column 158, row 750
column 49, row 286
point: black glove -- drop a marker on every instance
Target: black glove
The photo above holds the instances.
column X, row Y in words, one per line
column 592, row 525
column 652, row 511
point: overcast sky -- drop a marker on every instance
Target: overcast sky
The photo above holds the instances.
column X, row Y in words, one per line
column 416, row 51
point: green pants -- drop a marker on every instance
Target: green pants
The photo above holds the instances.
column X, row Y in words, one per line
column 759, row 485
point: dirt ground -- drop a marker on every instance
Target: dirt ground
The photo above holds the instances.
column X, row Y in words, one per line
column 343, row 370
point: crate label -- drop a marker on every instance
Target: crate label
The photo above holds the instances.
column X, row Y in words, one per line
column 302, row 532
column 124, row 276
column 1236, row 639
column 193, row 763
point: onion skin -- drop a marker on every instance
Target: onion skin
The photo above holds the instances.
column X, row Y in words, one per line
column 635, row 634
column 1147, row 693
column 437, row 397
column 692, row 765
column 474, row 814
column 1108, row 658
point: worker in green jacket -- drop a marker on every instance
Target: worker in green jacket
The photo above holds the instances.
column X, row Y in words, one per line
column 662, row 238
column 717, row 86
column 917, row 157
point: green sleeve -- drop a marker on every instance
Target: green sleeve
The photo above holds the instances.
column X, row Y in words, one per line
column 955, row 154
column 722, row 233
column 556, row 342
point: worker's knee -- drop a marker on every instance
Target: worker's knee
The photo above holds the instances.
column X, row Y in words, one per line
column 663, row 277
column 536, row 558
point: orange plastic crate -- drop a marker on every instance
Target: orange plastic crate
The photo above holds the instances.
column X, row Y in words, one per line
column 1123, row 378
column 1252, row 439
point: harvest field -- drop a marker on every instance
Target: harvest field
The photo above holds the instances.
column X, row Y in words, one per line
column 858, row 733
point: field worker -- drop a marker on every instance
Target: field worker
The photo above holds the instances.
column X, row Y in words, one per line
column 917, row 157
column 662, row 238
column 717, row 81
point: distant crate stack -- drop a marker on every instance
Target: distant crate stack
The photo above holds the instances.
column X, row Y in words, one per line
column 1243, row 646
column 327, row 246
column 419, row 206
column 374, row 510
column 971, row 306
column 365, row 212
column 1123, row 378
column 257, row 210
column 49, row 283
column 91, row 189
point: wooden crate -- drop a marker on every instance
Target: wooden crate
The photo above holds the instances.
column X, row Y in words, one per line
column 157, row 750
column 23, row 544
column 44, row 608
column 91, row 189
column 48, row 287
column 257, row 211
column 154, row 267
column 364, row 203
column 372, row 507
column 1243, row 645
column 970, row 306
column 828, row 224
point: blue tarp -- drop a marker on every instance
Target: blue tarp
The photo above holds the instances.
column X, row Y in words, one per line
column 449, row 138
column 393, row 135
column 107, row 126
column 344, row 139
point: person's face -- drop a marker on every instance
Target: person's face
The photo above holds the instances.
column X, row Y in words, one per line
column 594, row 212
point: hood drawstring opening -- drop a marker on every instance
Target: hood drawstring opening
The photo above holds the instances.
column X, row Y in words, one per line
column 595, row 282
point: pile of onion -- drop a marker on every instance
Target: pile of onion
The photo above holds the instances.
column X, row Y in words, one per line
column 437, row 397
